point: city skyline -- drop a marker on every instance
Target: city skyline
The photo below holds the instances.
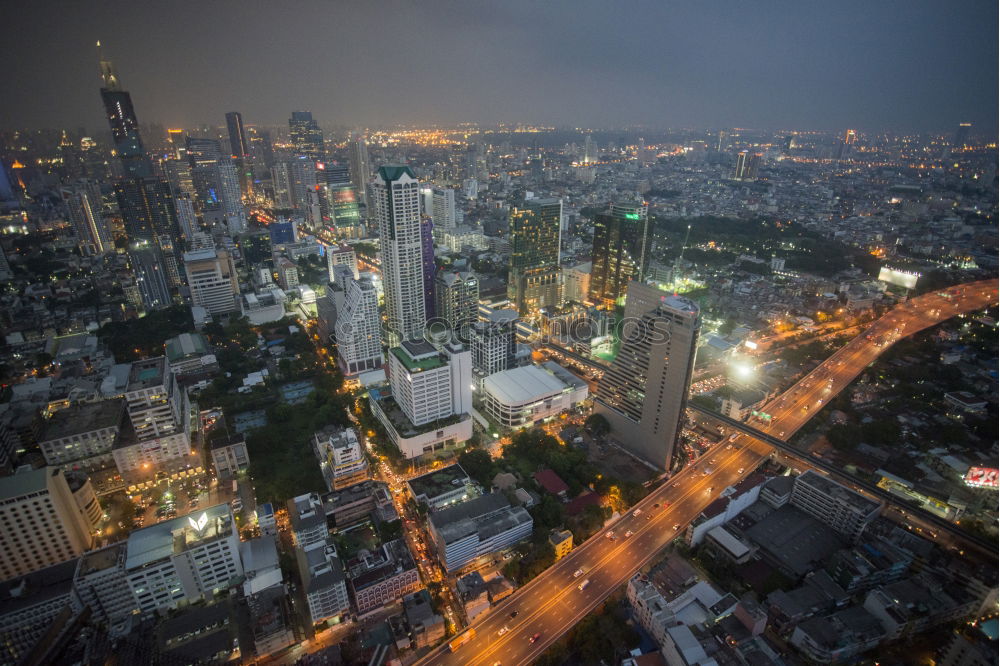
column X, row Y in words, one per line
column 914, row 67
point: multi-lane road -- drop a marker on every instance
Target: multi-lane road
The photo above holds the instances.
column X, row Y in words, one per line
column 552, row 603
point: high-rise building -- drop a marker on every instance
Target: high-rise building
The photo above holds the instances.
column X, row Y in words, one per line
column 211, row 277
column 147, row 209
column 456, row 295
column 576, row 282
column 721, row 141
column 360, row 168
column 124, row 124
column 148, row 268
column 589, row 152
column 358, row 331
column 620, row 253
column 962, row 135
column 306, row 135
column 494, row 344
column 281, row 179
column 40, row 522
column 644, row 393
column 747, row 165
column 396, row 201
column 302, row 172
column 442, row 210
column 340, row 255
column 850, row 137
column 323, row 581
column 427, row 265
column 159, row 414
column 535, row 239
column 342, row 460
column 430, row 384
column 187, row 221
column 204, row 157
column 83, row 203
column 239, row 148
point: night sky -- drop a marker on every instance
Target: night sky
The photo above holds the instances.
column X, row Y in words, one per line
column 873, row 64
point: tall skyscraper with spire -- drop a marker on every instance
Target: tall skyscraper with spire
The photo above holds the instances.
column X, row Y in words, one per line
column 396, row 201
column 124, row 124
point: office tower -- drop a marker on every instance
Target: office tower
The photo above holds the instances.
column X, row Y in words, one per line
column 396, row 202
column 159, row 414
column 302, row 173
column 340, row 255
column 231, row 197
column 149, row 271
column 260, row 146
column 428, row 265
column 358, row 329
column 147, row 209
column 288, row 273
column 620, row 252
column 40, row 522
column 340, row 203
column 535, row 239
column 442, row 208
column 281, row 182
column 83, row 203
column 589, row 153
column 187, row 221
column 178, row 173
column 838, row 506
column 962, row 135
column 576, row 282
column 747, row 165
column 211, row 277
column 644, row 393
column 239, row 148
column 430, row 384
column 721, row 142
column 124, row 124
column 332, row 173
column 204, row 157
column 850, row 137
column 182, row 560
column 283, row 231
column 494, row 343
column 456, row 296
column 306, row 135
column 360, row 168
column 470, row 187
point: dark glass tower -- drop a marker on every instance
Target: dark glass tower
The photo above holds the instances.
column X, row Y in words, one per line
column 620, row 253
column 306, row 135
column 237, row 135
column 124, row 124
column 535, row 239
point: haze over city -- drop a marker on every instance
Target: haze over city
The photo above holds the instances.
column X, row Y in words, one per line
column 899, row 66
column 495, row 334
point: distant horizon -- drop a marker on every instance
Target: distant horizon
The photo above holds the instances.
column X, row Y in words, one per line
column 911, row 67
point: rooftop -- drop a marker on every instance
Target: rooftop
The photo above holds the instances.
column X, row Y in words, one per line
column 795, row 539
column 99, row 560
column 524, row 384
column 146, row 373
column 439, row 482
column 838, row 491
column 162, row 540
column 391, row 172
column 24, row 482
column 551, row 482
column 488, row 516
column 416, row 357
column 187, row 344
column 83, row 417
column 36, row 587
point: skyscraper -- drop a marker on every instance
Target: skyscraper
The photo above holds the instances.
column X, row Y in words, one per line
column 620, row 253
column 442, row 209
column 850, row 137
column 357, row 331
column 535, row 239
column 396, row 201
column 456, row 298
column 124, row 124
column 962, row 135
column 212, row 279
column 360, row 168
column 83, row 203
column 589, row 153
column 147, row 266
column 306, row 135
column 427, row 264
column 204, row 157
column 747, row 164
column 239, row 148
column 644, row 393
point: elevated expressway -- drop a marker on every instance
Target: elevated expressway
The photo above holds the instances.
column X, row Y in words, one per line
column 553, row 602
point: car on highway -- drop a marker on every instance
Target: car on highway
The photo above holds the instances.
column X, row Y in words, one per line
column 677, row 526
column 637, row 513
column 577, row 573
column 584, row 584
column 740, row 470
column 706, row 471
column 610, row 534
column 656, row 506
column 503, row 630
column 628, row 534
column 514, row 613
column 534, row 638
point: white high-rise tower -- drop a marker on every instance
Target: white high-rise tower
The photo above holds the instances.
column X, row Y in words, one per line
column 396, row 201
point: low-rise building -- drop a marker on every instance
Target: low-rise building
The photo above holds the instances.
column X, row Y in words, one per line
column 83, row 435
column 426, row 626
column 476, row 528
column 382, row 576
column 845, row 510
column 838, row 637
column 474, row 594
column 190, row 354
column 443, row 487
column 353, row 504
column 323, row 581
column 524, row 396
column 229, row 456
column 917, row 604
column 562, row 543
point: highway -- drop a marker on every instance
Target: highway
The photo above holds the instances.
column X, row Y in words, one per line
column 552, row 603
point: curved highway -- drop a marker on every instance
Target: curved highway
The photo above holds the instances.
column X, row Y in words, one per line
column 553, row 602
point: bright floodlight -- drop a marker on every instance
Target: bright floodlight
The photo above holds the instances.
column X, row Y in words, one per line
column 743, row 370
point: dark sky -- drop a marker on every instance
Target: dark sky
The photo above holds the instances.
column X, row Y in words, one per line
column 797, row 64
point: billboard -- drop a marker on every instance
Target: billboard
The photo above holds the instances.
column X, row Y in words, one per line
column 897, row 277
column 982, row 477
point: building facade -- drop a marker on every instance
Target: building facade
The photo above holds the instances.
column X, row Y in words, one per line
column 357, row 330
column 620, row 252
column 211, row 276
column 535, row 241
